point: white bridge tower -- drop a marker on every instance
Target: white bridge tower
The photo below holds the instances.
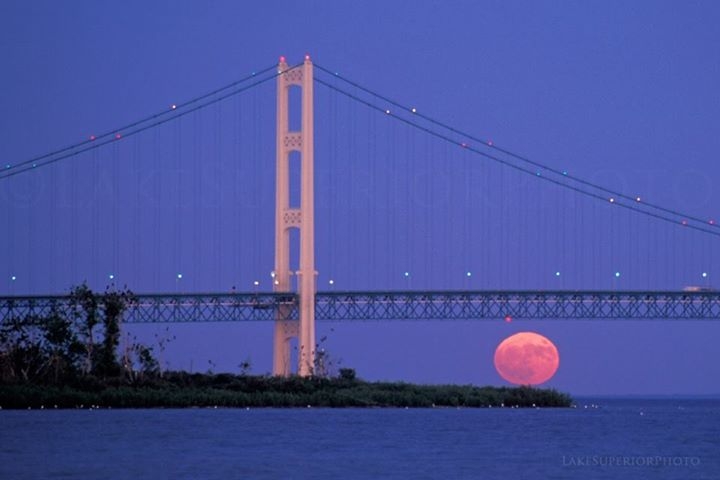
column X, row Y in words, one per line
column 288, row 217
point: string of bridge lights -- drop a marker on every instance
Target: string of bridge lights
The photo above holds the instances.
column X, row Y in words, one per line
column 173, row 112
column 331, row 282
column 410, row 116
column 406, row 275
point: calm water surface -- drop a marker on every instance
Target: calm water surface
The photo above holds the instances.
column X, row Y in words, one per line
column 619, row 438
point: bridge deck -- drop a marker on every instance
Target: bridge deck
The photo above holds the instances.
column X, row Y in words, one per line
column 398, row 305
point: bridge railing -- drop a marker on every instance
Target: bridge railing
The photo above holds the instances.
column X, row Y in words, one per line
column 469, row 305
column 397, row 305
column 163, row 308
column 213, row 308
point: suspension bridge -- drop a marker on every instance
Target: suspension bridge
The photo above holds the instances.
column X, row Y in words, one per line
column 295, row 302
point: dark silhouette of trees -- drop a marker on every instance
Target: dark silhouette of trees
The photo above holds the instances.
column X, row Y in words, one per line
column 113, row 304
column 81, row 340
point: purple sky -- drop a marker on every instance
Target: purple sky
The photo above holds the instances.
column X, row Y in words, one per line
column 623, row 94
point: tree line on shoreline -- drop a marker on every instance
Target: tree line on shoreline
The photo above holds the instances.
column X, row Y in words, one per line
column 74, row 343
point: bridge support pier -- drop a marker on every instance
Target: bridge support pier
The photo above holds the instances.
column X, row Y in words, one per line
column 288, row 217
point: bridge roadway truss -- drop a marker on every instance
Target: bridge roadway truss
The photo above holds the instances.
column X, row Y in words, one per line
column 398, row 305
column 470, row 305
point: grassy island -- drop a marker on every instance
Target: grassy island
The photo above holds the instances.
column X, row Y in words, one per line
column 71, row 358
column 182, row 389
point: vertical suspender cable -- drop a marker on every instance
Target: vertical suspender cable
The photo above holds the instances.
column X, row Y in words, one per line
column 96, row 205
column 214, row 281
column 114, row 268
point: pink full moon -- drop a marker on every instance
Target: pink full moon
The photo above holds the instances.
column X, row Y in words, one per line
column 526, row 358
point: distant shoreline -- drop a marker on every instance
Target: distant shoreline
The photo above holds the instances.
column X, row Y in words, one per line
column 649, row 396
column 185, row 390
